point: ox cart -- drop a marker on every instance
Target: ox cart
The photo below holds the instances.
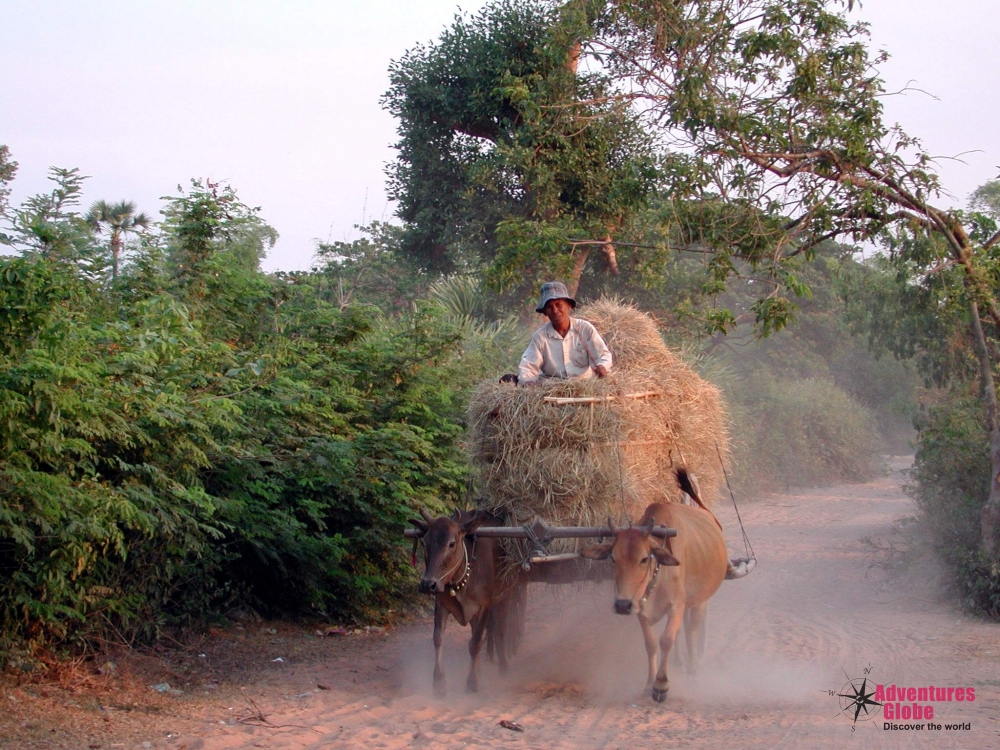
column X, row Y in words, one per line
column 556, row 459
column 464, row 571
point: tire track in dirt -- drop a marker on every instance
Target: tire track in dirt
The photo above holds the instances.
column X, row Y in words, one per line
column 820, row 607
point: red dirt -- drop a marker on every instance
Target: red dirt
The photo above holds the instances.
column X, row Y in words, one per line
column 843, row 584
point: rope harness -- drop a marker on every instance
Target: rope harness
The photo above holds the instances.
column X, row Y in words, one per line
column 452, row 587
column 651, row 585
column 748, row 563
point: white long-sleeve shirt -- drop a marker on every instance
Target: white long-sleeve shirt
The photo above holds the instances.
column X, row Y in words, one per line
column 552, row 356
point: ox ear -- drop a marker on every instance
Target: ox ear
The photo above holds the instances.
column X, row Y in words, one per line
column 597, row 551
column 663, row 556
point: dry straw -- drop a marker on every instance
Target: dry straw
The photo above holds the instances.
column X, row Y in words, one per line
column 579, row 463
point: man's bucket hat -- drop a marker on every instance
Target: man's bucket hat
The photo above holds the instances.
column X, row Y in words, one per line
column 554, row 290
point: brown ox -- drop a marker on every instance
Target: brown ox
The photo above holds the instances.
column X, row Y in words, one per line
column 654, row 580
column 462, row 572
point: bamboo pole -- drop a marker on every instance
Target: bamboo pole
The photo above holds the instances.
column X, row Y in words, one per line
column 564, row 400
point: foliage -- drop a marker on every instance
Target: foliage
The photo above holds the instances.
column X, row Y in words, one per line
column 525, row 149
column 819, row 348
column 217, row 436
column 356, row 429
column 778, row 101
column 489, row 344
column 980, row 583
column 8, row 169
column 913, row 315
column 372, row 270
column 926, row 316
column 495, row 164
column 986, row 199
column 778, row 104
column 822, row 343
column 802, row 432
column 951, row 470
column 101, row 448
column 952, row 478
column 48, row 225
column 909, row 303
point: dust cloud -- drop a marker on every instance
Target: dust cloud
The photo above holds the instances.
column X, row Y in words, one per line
column 827, row 602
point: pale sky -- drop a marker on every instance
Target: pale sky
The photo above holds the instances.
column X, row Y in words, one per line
column 281, row 99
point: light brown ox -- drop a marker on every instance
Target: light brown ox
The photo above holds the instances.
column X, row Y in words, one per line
column 654, row 580
column 463, row 574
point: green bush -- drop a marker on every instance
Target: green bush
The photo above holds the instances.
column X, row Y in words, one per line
column 357, row 429
column 203, row 435
column 979, row 582
column 101, row 446
column 952, row 480
column 951, row 470
column 802, row 432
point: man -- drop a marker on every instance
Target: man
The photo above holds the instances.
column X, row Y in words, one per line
column 565, row 347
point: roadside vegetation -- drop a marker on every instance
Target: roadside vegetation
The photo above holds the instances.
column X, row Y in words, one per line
column 195, row 436
column 925, row 320
column 813, row 405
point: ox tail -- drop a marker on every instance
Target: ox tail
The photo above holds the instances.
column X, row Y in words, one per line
column 505, row 626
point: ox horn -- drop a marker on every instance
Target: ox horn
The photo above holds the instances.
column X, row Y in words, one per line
column 611, row 526
column 427, row 516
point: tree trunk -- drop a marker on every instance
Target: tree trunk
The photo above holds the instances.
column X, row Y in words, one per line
column 578, row 264
column 990, row 515
column 608, row 248
column 116, row 248
column 573, row 59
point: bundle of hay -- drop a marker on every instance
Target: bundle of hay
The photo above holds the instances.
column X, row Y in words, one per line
column 611, row 455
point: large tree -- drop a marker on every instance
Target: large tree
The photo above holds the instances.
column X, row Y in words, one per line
column 779, row 105
column 498, row 164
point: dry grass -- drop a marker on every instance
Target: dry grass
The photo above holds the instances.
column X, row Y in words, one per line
column 581, row 463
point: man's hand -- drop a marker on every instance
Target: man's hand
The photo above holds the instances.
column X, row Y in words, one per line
column 601, row 371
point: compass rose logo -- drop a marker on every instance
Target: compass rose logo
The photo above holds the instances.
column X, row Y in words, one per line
column 856, row 698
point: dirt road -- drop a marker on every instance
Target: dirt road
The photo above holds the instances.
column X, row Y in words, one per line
column 828, row 600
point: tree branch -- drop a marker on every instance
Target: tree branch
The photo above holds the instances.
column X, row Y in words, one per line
column 992, row 241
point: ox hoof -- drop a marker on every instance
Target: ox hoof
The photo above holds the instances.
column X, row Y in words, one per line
column 471, row 685
column 440, row 688
column 660, row 695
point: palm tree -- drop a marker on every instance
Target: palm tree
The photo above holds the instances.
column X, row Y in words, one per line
column 118, row 219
